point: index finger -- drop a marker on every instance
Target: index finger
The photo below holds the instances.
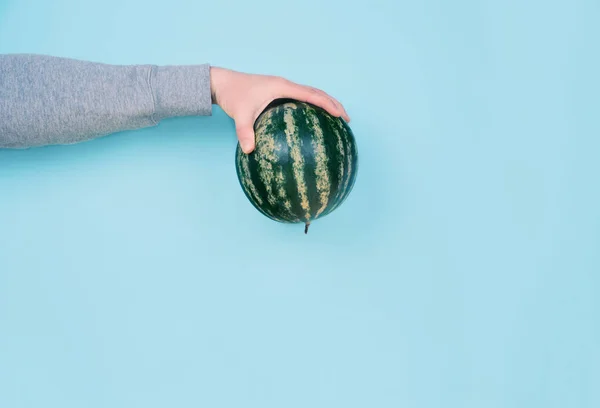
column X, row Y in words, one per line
column 316, row 97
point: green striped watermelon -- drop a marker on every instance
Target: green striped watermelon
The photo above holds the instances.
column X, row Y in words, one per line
column 304, row 164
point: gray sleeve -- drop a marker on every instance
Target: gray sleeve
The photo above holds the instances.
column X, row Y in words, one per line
column 48, row 100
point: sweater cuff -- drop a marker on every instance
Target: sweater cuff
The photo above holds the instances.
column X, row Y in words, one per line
column 181, row 90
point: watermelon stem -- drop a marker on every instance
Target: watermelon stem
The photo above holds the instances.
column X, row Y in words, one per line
column 306, row 227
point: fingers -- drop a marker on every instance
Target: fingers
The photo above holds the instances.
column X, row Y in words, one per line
column 334, row 101
column 316, row 97
column 245, row 134
column 245, row 111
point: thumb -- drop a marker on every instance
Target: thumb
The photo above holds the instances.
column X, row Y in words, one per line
column 245, row 134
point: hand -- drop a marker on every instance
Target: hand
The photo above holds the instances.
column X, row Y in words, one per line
column 244, row 96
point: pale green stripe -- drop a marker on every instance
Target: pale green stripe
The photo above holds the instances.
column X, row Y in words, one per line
column 341, row 151
column 247, row 180
column 293, row 141
column 265, row 156
column 321, row 161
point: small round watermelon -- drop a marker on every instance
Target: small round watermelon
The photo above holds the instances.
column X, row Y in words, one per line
column 304, row 164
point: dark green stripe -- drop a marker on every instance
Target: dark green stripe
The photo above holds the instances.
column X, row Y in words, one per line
column 348, row 149
column 352, row 140
column 242, row 176
column 334, row 125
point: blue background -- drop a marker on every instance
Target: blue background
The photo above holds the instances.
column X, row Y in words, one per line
column 461, row 272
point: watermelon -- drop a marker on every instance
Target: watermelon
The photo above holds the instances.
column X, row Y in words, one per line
column 304, row 164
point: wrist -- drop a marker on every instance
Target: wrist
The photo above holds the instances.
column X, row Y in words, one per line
column 216, row 74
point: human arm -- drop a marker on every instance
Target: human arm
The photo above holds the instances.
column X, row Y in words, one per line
column 48, row 100
column 52, row 100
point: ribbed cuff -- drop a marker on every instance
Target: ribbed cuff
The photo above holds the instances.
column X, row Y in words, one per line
column 181, row 90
